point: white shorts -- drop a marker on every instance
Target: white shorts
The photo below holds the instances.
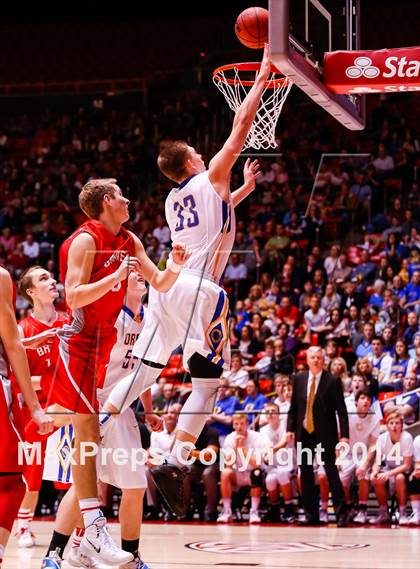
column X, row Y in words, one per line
column 57, row 466
column 243, row 478
column 278, row 475
column 114, row 468
column 346, row 471
column 123, row 433
column 193, row 314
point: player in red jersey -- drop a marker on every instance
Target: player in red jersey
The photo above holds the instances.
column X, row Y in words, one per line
column 94, row 264
column 38, row 331
column 12, row 486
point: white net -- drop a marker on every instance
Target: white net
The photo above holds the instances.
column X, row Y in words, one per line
column 262, row 132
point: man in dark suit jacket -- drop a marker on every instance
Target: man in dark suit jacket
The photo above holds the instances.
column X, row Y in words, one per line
column 317, row 398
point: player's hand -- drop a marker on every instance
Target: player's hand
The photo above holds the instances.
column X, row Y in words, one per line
column 155, row 422
column 251, row 172
column 180, row 254
column 265, row 68
column 361, row 473
column 415, row 473
column 240, row 441
column 128, row 265
column 45, row 422
column 290, row 437
column 384, row 476
column 46, row 337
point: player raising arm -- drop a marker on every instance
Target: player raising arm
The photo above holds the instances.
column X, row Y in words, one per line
column 194, row 313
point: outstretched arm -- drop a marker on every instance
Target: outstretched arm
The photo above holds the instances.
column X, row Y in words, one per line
column 160, row 280
column 251, row 171
column 221, row 164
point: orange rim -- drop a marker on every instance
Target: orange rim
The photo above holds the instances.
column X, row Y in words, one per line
column 218, row 74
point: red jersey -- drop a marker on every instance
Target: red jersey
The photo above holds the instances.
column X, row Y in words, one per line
column 4, row 363
column 102, row 314
column 40, row 358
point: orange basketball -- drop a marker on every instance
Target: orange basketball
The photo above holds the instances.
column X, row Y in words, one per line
column 251, row 27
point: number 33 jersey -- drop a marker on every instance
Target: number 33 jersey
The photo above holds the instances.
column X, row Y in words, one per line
column 199, row 218
column 122, row 361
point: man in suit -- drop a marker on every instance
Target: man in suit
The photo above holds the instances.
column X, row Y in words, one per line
column 317, row 398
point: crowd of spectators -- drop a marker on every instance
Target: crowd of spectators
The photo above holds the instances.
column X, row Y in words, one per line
column 341, row 271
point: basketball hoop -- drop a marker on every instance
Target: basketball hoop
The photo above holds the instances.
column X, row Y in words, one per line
column 235, row 80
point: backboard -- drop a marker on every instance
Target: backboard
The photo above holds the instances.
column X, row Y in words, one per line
column 300, row 32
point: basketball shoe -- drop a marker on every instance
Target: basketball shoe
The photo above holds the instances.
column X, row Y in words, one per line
column 52, row 561
column 254, row 517
column 225, row 517
column 97, row 543
column 26, row 538
column 77, row 559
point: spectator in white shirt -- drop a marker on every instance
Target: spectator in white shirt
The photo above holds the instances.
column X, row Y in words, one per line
column 383, row 162
column 395, row 450
column 331, row 299
column 236, row 270
column 315, row 318
column 331, row 261
column 31, row 247
column 381, row 361
column 162, row 232
column 237, row 376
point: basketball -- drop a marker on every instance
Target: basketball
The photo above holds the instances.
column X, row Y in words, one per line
column 251, row 27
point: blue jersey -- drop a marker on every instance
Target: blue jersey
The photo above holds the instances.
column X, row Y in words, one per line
column 228, row 406
column 412, row 293
column 399, row 369
column 254, row 404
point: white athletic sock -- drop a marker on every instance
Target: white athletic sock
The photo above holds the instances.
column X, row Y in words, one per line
column 25, row 516
column 90, row 509
column 179, row 453
column 255, row 502
column 227, row 504
column 415, row 505
column 77, row 537
column 1, row 553
column 324, row 505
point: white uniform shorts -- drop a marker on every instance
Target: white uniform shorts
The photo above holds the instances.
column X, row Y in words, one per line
column 243, row 478
column 278, row 475
column 193, row 314
column 57, row 465
column 120, row 467
column 346, row 471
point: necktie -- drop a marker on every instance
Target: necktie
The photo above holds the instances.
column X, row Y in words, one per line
column 310, row 427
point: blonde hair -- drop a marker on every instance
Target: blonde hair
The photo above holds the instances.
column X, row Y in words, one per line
column 343, row 364
column 91, row 197
column 239, row 416
column 394, row 415
column 26, row 282
column 363, row 361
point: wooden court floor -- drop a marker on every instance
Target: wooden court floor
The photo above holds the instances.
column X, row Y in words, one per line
column 204, row 546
